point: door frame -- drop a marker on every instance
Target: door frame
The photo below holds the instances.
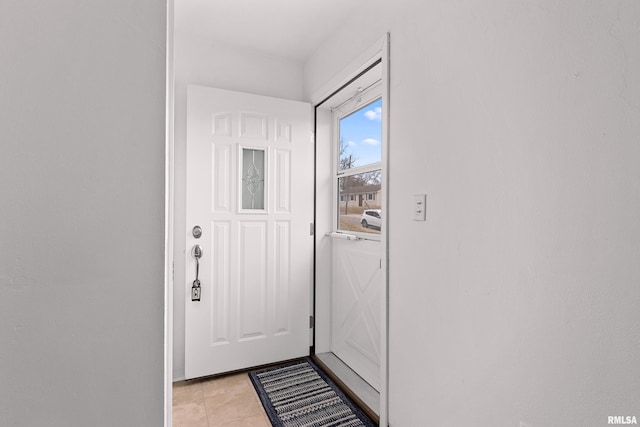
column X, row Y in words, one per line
column 169, row 184
column 378, row 52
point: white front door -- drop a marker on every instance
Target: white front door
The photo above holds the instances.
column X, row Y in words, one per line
column 250, row 190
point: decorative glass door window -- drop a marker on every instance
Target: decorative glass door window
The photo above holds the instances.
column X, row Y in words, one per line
column 359, row 167
column 252, row 183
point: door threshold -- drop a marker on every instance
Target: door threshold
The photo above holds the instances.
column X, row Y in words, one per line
column 241, row 371
column 358, row 390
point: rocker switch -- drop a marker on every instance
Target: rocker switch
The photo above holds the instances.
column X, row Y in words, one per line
column 419, row 207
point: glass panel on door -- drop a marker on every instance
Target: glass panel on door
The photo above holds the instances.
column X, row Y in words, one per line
column 360, row 202
column 361, row 137
column 253, row 179
column 359, row 178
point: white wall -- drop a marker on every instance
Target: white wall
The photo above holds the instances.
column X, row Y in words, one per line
column 82, row 115
column 215, row 64
column 517, row 300
column 323, row 225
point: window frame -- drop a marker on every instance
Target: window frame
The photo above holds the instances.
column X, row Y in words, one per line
column 357, row 102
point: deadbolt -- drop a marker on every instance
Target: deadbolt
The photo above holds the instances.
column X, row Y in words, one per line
column 197, row 231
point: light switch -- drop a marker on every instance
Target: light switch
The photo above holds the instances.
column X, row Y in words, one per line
column 419, row 207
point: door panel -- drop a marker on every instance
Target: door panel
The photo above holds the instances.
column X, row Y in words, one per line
column 356, row 300
column 249, row 175
column 220, row 301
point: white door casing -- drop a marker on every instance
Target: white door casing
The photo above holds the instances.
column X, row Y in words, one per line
column 256, row 267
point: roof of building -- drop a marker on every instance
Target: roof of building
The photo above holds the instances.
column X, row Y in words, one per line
column 371, row 188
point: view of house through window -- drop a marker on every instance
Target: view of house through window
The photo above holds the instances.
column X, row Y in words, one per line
column 359, row 169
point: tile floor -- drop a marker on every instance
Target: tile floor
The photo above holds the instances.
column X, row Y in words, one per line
column 227, row 401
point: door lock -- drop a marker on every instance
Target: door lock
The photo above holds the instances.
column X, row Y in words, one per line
column 196, row 290
column 196, row 252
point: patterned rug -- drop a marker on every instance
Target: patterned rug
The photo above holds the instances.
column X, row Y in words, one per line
column 300, row 394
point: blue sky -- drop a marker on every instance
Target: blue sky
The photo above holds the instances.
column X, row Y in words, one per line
column 362, row 132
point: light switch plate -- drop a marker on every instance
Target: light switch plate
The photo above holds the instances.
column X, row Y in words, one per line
column 419, row 207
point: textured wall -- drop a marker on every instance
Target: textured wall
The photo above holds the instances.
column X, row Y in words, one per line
column 82, row 102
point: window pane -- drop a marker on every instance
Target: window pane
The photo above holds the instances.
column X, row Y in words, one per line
column 252, row 179
column 361, row 137
column 357, row 211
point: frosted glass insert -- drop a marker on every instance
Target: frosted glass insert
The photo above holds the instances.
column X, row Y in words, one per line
column 252, row 179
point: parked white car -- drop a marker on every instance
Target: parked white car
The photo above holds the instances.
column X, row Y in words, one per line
column 371, row 218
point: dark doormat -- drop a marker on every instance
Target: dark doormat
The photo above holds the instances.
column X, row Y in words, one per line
column 300, row 394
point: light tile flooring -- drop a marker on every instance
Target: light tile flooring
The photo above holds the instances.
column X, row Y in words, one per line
column 228, row 401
